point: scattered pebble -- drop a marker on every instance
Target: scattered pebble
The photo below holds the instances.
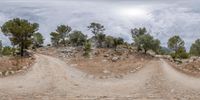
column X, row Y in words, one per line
column 106, row 71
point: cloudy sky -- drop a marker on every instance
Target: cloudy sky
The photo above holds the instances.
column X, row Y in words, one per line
column 161, row 17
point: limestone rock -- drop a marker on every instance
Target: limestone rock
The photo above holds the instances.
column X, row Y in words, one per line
column 114, row 59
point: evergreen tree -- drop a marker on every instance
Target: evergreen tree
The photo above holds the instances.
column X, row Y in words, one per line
column 195, row 48
column 20, row 32
column 38, row 40
column 55, row 38
column 63, row 31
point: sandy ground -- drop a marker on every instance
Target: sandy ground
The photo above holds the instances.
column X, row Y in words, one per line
column 53, row 79
column 15, row 63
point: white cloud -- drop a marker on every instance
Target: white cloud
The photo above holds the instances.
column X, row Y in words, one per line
column 164, row 19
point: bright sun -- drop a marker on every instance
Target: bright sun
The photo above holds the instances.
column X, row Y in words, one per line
column 133, row 12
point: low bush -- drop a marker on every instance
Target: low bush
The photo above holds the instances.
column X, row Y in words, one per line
column 6, row 51
column 87, row 49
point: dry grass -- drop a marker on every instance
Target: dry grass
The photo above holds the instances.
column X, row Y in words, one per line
column 15, row 63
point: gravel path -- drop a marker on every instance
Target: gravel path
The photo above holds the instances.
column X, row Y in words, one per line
column 53, row 79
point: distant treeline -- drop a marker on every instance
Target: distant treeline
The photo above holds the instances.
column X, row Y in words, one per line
column 24, row 35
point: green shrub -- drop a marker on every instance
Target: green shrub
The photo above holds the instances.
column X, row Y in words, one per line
column 183, row 55
column 180, row 54
column 38, row 40
column 87, row 49
column 178, row 61
column 195, row 48
column 109, row 41
column 173, row 55
column 147, row 42
column 6, row 51
column 20, row 33
column 164, row 51
column 77, row 38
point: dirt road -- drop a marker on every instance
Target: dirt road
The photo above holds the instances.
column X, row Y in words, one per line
column 53, row 79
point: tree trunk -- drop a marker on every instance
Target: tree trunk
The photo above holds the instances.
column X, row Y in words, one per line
column 22, row 49
column 64, row 42
column 145, row 51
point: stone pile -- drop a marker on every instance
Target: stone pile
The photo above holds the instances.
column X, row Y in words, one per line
column 67, row 52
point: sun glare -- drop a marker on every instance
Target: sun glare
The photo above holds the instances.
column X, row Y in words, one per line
column 133, row 12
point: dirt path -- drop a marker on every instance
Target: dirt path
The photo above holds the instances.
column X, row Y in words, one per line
column 52, row 79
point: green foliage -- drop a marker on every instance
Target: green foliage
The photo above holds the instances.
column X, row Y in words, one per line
column 147, row 42
column 6, row 51
column 176, row 44
column 112, row 42
column 96, row 28
column 63, row 31
column 38, row 40
column 20, row 32
column 164, row 51
column 138, row 31
column 77, row 38
column 109, row 42
column 195, row 48
column 155, row 45
column 100, row 39
column 173, row 55
column 87, row 49
column 181, row 54
column 1, row 47
column 98, row 31
column 55, row 38
column 136, row 35
column 118, row 41
column 60, row 36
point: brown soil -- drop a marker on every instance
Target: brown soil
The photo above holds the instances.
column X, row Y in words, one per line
column 53, row 79
column 192, row 68
column 99, row 65
column 15, row 63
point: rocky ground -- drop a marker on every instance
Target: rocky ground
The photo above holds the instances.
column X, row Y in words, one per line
column 119, row 62
column 102, row 63
column 189, row 66
column 52, row 79
column 106, row 63
column 61, row 74
column 10, row 65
